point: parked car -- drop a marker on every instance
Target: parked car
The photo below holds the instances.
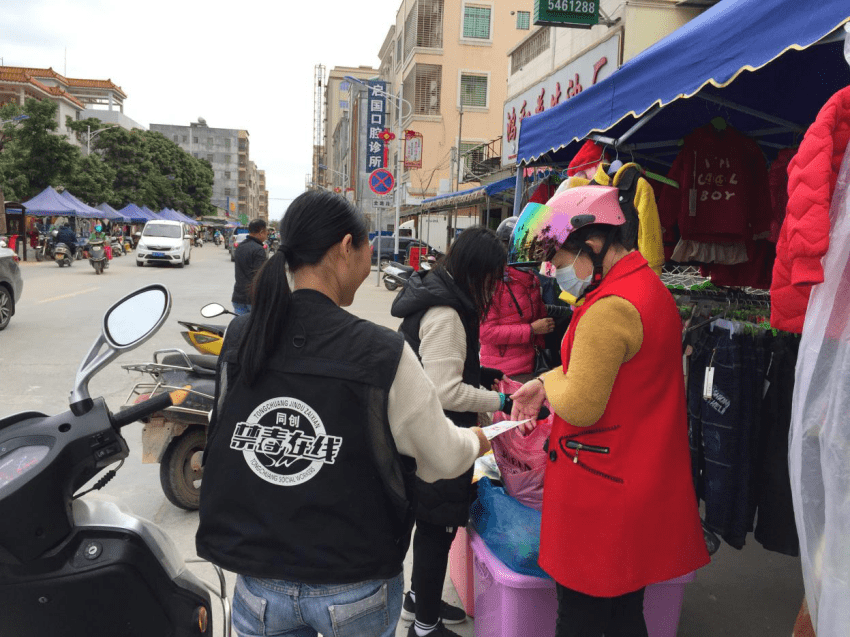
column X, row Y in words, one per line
column 11, row 284
column 388, row 247
column 165, row 242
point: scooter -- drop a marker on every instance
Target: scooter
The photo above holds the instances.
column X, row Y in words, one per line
column 206, row 338
column 97, row 257
column 73, row 565
column 199, row 241
column 397, row 274
column 117, row 247
column 62, row 255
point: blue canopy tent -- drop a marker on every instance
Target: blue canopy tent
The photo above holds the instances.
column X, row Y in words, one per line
column 49, row 203
column 168, row 215
column 134, row 214
column 85, row 211
column 153, row 216
column 108, row 212
column 186, row 218
column 765, row 67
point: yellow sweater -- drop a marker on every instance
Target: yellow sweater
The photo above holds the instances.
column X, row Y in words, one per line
column 649, row 240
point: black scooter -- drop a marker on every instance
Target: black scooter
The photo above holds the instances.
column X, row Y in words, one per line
column 72, row 566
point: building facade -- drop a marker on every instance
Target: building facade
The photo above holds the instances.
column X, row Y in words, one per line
column 446, row 59
column 236, row 184
column 553, row 64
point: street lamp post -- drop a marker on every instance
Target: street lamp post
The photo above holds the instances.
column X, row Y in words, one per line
column 89, row 135
column 399, row 117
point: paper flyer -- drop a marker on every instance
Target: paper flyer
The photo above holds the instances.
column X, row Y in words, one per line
column 491, row 431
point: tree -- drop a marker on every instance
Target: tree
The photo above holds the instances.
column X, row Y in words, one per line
column 32, row 156
column 92, row 180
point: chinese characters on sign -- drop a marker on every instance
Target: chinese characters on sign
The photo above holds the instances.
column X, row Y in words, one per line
column 376, row 123
column 412, row 150
column 562, row 85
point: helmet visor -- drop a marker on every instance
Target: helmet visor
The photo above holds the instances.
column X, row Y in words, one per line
column 538, row 234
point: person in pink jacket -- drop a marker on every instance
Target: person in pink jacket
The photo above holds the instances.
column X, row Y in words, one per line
column 517, row 320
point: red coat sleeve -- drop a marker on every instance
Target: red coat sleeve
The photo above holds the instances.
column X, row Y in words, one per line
column 494, row 331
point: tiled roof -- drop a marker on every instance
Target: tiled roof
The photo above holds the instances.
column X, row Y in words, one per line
column 26, row 76
column 96, row 84
column 82, row 83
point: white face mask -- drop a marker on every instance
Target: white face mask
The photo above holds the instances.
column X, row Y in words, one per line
column 569, row 282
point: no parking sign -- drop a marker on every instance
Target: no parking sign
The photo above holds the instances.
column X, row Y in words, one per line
column 381, row 181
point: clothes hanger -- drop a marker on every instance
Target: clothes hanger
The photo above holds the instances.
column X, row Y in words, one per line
column 616, row 164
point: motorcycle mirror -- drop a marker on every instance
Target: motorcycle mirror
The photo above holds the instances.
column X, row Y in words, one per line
column 212, row 310
column 126, row 325
column 2, row 244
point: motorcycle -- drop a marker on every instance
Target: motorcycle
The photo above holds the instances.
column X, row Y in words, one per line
column 44, row 247
column 62, row 255
column 217, row 239
column 175, row 437
column 397, row 274
column 117, row 247
column 199, row 241
column 97, row 257
column 206, row 338
column 73, row 565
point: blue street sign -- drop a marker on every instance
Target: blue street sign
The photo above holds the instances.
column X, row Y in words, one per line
column 381, row 181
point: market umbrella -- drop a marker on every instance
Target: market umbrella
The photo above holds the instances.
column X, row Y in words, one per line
column 111, row 213
column 135, row 214
column 85, row 211
column 49, row 203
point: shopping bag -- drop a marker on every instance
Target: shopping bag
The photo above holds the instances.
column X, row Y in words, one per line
column 509, row 529
column 521, row 458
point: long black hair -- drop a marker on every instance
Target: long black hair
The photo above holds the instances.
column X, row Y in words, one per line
column 476, row 261
column 314, row 222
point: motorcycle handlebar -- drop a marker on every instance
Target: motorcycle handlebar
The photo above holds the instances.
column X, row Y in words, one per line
column 146, row 408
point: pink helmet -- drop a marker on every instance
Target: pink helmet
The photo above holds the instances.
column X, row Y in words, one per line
column 542, row 229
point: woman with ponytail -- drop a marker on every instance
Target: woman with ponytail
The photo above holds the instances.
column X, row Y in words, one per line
column 322, row 421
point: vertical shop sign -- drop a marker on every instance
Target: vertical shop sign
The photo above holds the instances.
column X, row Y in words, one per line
column 412, row 150
column 376, row 123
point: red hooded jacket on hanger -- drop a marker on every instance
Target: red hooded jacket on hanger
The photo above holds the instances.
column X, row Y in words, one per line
column 804, row 238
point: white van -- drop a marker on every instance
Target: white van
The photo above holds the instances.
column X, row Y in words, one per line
column 165, row 242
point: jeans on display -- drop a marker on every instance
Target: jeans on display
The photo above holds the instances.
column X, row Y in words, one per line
column 776, row 529
column 264, row 607
column 431, row 544
column 241, row 308
column 581, row 615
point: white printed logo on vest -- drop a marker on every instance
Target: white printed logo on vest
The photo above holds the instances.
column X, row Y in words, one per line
column 284, row 442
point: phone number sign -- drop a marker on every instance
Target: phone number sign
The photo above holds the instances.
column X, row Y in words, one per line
column 566, row 13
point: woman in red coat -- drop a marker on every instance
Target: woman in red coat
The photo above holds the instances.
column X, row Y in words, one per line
column 619, row 508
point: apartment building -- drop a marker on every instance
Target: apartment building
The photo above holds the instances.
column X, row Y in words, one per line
column 447, row 60
column 236, row 185
column 264, row 196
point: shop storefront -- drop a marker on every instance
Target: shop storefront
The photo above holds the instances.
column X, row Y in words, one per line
column 713, row 115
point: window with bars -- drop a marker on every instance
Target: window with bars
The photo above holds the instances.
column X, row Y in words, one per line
column 473, row 90
column 423, row 88
column 523, row 20
column 185, row 138
column 210, row 158
column 176, row 137
column 472, row 154
column 530, row 49
column 194, row 140
column 423, row 26
column 476, row 22
column 226, row 173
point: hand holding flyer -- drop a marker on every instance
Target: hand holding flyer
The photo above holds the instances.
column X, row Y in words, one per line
column 492, row 431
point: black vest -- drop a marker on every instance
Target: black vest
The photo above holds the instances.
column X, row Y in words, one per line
column 444, row 502
column 303, row 480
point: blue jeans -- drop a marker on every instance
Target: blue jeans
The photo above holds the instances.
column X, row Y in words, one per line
column 241, row 308
column 264, row 607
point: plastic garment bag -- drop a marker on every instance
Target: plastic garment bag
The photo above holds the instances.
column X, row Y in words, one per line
column 819, row 454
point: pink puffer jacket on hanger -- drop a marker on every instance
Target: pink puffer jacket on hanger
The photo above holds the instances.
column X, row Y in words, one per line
column 507, row 340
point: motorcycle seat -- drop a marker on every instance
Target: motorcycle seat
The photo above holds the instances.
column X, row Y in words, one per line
column 206, row 327
column 203, row 364
column 401, row 266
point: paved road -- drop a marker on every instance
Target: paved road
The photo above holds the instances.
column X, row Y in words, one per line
column 749, row 593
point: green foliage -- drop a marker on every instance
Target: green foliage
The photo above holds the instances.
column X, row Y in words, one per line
column 33, row 157
column 136, row 166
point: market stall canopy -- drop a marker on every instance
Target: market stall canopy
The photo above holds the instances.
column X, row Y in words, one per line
column 153, row 216
column 135, row 214
column 168, row 214
column 48, row 203
column 108, row 212
column 181, row 217
column 740, row 60
column 84, row 210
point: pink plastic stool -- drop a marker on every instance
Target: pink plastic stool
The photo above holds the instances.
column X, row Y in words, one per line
column 460, row 570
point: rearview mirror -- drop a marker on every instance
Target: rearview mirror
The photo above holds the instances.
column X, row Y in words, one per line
column 212, row 310
column 133, row 318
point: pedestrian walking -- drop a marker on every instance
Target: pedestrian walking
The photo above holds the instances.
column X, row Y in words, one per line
column 318, row 418
column 249, row 257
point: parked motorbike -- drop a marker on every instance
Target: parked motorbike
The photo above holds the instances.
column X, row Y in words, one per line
column 206, row 338
column 97, row 257
column 199, row 241
column 176, row 436
column 397, row 274
column 62, row 255
column 44, row 247
column 73, row 565
column 117, row 247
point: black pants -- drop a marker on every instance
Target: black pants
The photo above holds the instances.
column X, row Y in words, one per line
column 581, row 615
column 431, row 544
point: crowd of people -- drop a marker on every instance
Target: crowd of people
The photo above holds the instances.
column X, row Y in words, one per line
column 332, row 438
